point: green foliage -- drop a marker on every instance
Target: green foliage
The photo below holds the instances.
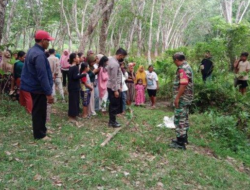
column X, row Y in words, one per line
column 224, row 129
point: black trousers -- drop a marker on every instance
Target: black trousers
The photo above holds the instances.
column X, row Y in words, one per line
column 39, row 112
column 65, row 76
column 115, row 106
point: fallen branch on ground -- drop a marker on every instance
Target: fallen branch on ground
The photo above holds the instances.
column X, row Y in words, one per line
column 118, row 129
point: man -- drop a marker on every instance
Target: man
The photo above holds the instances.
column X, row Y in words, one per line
column 242, row 68
column 183, row 97
column 114, row 86
column 207, row 66
column 56, row 72
column 37, row 79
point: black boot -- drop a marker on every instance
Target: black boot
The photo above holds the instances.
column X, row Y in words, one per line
column 179, row 143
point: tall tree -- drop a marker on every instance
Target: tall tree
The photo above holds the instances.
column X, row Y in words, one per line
column 3, row 4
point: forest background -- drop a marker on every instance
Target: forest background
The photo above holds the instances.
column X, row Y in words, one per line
column 152, row 31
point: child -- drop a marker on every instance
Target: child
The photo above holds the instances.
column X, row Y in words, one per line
column 74, row 86
column 86, row 89
column 140, row 93
column 152, row 85
column 124, row 87
column 242, row 68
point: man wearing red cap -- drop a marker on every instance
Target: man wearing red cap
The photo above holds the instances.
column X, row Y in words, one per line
column 37, row 79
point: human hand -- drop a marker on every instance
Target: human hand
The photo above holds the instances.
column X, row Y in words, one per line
column 176, row 103
column 50, row 99
column 117, row 94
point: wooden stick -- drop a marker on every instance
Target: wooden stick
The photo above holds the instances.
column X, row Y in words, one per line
column 117, row 130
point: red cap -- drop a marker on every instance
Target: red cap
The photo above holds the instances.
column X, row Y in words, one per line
column 43, row 35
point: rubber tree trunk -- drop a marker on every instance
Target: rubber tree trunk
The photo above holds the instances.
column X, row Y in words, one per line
column 3, row 4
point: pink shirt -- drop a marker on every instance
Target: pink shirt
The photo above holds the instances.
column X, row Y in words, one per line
column 102, row 82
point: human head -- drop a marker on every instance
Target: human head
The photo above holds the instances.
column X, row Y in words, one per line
column 43, row 38
column 73, row 58
column 131, row 67
column 99, row 56
column 139, row 81
column 81, row 57
column 244, row 56
column 66, row 52
column 141, row 68
column 47, row 54
column 84, row 67
column 90, row 52
column 91, row 59
column 207, row 54
column 122, row 64
column 179, row 58
column 52, row 51
column 150, row 68
column 8, row 54
column 21, row 56
column 103, row 61
column 121, row 54
column 15, row 55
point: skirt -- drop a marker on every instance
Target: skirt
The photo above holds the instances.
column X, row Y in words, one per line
column 74, row 101
column 131, row 92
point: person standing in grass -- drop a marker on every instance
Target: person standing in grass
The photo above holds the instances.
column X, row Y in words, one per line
column 64, row 62
column 37, row 79
column 152, row 85
column 57, row 75
column 74, row 87
column 86, row 89
column 242, row 68
column 140, row 93
column 91, row 59
column 124, row 87
column 207, row 66
column 102, row 83
column 115, row 86
column 25, row 99
column 130, row 82
column 183, row 97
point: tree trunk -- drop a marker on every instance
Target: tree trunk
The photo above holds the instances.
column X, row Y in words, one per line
column 9, row 22
column 150, row 33
column 104, row 26
column 141, row 11
column 3, row 4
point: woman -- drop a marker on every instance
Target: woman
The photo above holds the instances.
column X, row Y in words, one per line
column 74, row 87
column 130, row 82
column 25, row 98
column 7, row 68
column 152, row 85
column 102, row 83
column 141, row 74
column 91, row 60
column 65, row 66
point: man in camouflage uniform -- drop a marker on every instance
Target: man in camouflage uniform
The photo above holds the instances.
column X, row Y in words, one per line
column 183, row 97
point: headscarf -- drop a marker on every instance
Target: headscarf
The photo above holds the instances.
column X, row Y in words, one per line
column 141, row 75
column 99, row 56
column 90, row 52
column 64, row 61
column 91, row 59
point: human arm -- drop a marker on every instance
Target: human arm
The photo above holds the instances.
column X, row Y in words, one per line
column 77, row 75
column 180, row 93
column 183, row 84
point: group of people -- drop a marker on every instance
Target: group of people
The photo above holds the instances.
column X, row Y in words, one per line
column 96, row 80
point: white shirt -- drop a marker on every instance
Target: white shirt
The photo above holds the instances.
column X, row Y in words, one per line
column 124, row 78
column 152, row 78
column 96, row 67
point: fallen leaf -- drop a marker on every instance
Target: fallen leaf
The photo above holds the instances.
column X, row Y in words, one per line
column 126, row 174
column 83, row 156
column 160, row 184
column 37, row 177
column 8, row 153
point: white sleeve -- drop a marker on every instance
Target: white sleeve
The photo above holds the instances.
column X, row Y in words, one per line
column 156, row 77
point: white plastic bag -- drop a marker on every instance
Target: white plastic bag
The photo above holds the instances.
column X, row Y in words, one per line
column 168, row 122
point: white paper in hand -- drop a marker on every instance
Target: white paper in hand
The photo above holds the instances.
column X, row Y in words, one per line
column 168, row 122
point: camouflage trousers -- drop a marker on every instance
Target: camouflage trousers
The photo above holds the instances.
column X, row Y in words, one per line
column 181, row 119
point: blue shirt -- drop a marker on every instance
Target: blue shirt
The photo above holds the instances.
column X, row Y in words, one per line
column 36, row 74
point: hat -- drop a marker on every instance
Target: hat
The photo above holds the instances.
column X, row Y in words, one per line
column 43, row 35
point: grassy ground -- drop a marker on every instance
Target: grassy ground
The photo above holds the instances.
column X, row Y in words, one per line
column 137, row 158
